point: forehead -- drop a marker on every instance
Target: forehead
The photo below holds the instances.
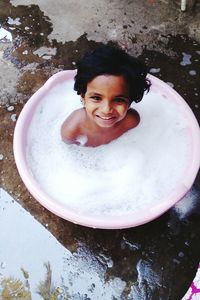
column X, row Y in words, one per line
column 108, row 83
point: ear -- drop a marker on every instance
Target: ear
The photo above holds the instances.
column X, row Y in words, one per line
column 83, row 99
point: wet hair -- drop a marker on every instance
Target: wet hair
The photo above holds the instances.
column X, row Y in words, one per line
column 111, row 60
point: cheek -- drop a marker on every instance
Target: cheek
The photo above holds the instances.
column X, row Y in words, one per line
column 122, row 110
column 90, row 107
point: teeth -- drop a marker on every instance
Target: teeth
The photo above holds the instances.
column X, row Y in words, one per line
column 106, row 118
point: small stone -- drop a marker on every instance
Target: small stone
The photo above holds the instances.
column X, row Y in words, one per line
column 13, row 117
column 154, row 70
column 192, row 72
column 1, row 156
column 181, row 254
column 176, row 261
column 10, row 108
column 186, row 59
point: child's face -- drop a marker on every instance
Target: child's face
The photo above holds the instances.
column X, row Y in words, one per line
column 106, row 100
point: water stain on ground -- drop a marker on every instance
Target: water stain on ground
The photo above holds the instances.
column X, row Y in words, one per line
column 154, row 261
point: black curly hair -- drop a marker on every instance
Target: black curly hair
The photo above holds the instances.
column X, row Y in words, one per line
column 114, row 61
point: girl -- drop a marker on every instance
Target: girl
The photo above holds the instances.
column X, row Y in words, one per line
column 108, row 80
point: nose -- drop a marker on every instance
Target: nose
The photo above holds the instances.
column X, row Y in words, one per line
column 106, row 107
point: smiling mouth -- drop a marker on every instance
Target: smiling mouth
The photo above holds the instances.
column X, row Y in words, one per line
column 106, row 118
column 106, row 121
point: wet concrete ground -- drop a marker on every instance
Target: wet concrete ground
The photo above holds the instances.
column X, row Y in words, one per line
column 55, row 258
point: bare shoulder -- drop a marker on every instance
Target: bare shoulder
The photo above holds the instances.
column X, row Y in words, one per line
column 132, row 118
column 70, row 128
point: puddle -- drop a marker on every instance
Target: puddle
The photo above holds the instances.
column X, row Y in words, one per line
column 5, row 36
column 186, row 59
column 36, row 262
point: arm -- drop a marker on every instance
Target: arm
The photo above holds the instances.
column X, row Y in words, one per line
column 70, row 128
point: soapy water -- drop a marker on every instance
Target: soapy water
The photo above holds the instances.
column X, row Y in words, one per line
column 129, row 174
column 187, row 204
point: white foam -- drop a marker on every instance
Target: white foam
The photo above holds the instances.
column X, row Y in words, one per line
column 187, row 204
column 82, row 140
column 129, row 174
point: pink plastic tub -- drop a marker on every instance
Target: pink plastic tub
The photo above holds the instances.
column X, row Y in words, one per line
column 130, row 219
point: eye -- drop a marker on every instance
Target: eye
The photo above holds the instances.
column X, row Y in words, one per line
column 96, row 98
column 121, row 100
